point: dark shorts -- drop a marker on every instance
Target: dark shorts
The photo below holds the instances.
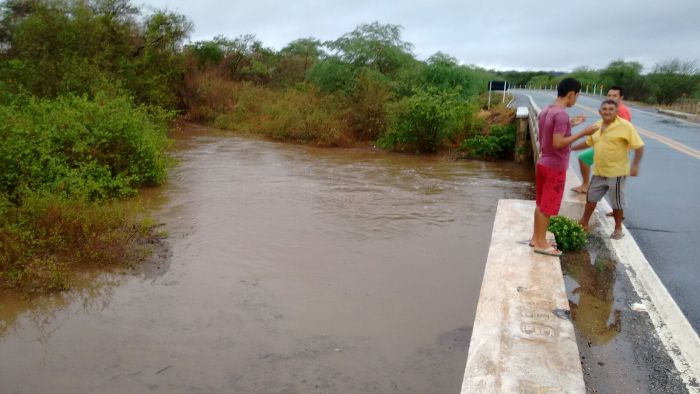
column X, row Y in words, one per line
column 549, row 184
column 601, row 185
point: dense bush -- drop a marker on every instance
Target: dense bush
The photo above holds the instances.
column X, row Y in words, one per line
column 424, row 121
column 80, row 148
column 498, row 143
column 569, row 235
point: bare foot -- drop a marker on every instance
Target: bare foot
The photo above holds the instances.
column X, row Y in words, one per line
column 583, row 189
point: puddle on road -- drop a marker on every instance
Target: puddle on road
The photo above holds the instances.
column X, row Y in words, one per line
column 290, row 269
column 591, row 298
column 619, row 348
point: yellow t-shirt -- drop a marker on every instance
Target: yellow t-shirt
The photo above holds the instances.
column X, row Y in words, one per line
column 611, row 148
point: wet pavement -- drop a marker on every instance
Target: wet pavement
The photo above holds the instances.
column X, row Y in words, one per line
column 619, row 348
column 287, row 269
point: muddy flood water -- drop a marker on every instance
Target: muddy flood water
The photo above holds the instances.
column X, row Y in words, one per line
column 288, row 269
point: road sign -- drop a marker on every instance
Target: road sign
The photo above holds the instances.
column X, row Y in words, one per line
column 498, row 86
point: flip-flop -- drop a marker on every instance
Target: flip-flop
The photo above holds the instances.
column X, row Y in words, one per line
column 549, row 252
column 617, row 235
column 528, row 243
column 579, row 191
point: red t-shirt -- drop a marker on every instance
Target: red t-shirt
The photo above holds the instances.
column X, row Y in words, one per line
column 553, row 120
column 623, row 111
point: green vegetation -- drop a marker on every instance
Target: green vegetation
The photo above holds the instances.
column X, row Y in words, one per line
column 362, row 86
column 86, row 93
column 80, row 148
column 60, row 158
column 569, row 235
column 47, row 239
column 87, row 88
column 666, row 83
column 424, row 121
column 498, row 143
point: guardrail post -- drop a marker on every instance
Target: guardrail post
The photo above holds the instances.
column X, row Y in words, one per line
column 522, row 115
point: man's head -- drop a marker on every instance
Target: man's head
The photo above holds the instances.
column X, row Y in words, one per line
column 615, row 93
column 567, row 90
column 608, row 110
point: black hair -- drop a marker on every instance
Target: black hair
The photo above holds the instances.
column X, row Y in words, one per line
column 568, row 85
column 609, row 101
column 619, row 89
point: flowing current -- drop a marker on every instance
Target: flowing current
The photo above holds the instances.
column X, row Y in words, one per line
column 288, row 269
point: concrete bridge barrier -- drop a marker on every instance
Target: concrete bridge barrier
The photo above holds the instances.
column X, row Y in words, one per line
column 523, row 340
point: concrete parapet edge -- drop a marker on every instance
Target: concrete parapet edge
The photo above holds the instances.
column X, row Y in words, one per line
column 522, row 339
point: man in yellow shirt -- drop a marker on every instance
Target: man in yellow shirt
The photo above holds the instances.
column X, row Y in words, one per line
column 611, row 144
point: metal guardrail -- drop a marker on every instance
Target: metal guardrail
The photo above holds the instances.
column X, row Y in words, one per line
column 533, row 112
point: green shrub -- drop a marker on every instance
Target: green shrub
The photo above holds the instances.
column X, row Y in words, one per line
column 80, row 148
column 499, row 143
column 570, row 236
column 425, row 121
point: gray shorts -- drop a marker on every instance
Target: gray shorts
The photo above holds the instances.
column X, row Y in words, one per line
column 601, row 185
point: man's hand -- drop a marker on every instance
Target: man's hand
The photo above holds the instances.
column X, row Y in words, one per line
column 578, row 119
column 634, row 170
column 590, row 129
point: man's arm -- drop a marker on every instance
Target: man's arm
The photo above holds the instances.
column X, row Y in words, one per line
column 580, row 145
column 559, row 141
column 638, row 153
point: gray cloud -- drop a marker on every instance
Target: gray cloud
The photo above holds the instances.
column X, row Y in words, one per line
column 528, row 34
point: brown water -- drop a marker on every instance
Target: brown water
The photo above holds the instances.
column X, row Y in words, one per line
column 292, row 270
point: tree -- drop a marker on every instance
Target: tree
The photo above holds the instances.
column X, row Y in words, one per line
column 52, row 47
column 296, row 59
column 673, row 79
column 587, row 76
column 333, row 75
column 443, row 72
column 158, row 67
column 374, row 45
column 626, row 75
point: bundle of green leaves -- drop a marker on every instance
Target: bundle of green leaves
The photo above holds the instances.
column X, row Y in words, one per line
column 570, row 236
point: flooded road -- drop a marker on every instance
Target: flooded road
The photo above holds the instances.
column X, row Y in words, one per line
column 290, row 270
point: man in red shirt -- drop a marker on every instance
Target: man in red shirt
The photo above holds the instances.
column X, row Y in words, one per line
column 555, row 138
column 585, row 158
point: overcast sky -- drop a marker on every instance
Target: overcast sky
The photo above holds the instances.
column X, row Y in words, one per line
column 505, row 34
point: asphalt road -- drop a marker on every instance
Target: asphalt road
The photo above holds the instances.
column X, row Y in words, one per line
column 663, row 211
